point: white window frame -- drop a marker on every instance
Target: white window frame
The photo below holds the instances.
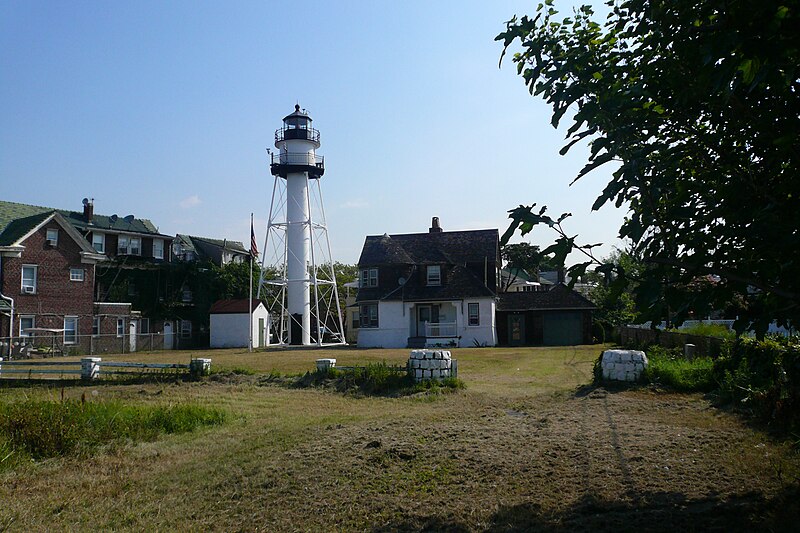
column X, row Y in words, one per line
column 77, row 274
column 122, row 245
column 368, row 316
column 35, row 284
column 186, row 295
column 186, row 329
column 369, row 277
column 96, row 323
column 70, row 338
column 433, row 274
column 158, row 248
column 120, row 327
column 99, row 242
column 474, row 319
column 135, row 246
column 52, row 235
column 32, row 318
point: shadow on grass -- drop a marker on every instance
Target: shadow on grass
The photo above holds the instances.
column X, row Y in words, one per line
column 659, row 511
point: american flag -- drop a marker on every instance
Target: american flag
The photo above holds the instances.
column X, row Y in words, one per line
column 253, row 247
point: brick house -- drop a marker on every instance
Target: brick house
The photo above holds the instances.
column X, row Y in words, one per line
column 47, row 273
column 57, row 273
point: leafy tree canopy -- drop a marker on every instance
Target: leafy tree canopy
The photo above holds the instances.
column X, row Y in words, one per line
column 697, row 103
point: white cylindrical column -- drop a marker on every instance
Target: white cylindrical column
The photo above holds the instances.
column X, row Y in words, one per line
column 298, row 235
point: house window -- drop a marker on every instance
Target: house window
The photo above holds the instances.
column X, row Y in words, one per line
column 144, row 325
column 52, row 236
column 135, row 246
column 369, row 277
column 26, row 323
column 355, row 321
column 434, row 275
column 29, row 275
column 122, row 245
column 76, row 274
column 158, row 248
column 369, row 316
column 186, row 329
column 186, row 296
column 473, row 314
column 120, row 327
column 99, row 242
column 96, row 326
column 70, row 329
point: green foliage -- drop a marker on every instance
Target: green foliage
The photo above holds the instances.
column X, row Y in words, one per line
column 612, row 294
column 709, row 330
column 44, row 428
column 696, row 104
column 526, row 257
column 376, row 379
column 669, row 367
column 764, row 377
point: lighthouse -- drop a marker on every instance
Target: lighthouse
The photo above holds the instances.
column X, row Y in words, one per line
column 297, row 277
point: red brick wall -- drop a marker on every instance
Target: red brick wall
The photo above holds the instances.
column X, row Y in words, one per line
column 56, row 296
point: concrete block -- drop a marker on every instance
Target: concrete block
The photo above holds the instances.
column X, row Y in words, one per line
column 435, row 373
column 418, row 374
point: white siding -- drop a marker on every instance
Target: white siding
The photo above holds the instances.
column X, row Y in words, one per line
column 393, row 330
column 231, row 330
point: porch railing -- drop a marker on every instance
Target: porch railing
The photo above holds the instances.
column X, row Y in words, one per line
column 440, row 329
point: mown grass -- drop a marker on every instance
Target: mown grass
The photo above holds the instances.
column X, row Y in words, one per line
column 46, row 428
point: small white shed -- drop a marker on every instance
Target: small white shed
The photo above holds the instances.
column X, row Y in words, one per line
column 230, row 323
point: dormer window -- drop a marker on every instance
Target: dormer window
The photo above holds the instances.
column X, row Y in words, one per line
column 434, row 275
column 369, row 277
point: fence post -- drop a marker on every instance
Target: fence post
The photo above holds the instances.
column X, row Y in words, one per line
column 1, row 366
column 90, row 367
column 200, row 367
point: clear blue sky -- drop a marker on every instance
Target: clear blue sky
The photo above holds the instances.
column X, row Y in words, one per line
column 164, row 110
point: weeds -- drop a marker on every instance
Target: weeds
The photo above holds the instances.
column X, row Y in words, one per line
column 668, row 367
column 41, row 429
column 376, row 379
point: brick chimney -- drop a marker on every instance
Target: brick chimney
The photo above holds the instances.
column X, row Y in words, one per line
column 435, row 228
column 88, row 209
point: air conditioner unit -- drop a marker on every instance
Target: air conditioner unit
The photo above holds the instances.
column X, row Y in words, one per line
column 51, row 243
column 27, row 289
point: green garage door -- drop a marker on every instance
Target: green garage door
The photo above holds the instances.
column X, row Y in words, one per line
column 562, row 329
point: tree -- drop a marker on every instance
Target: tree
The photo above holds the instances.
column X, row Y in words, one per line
column 527, row 257
column 698, row 105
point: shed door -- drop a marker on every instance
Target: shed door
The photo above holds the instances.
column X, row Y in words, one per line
column 516, row 330
column 562, row 329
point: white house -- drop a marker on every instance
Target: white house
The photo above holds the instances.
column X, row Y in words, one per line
column 429, row 289
column 230, row 324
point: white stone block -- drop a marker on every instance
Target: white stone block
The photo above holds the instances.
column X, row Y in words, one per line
column 435, row 373
column 630, row 367
column 608, row 357
column 447, row 363
column 625, row 357
column 445, row 373
column 418, row 373
column 619, row 375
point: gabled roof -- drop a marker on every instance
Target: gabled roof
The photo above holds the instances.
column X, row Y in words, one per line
column 560, row 297
column 240, row 306
column 197, row 244
column 17, row 230
column 10, row 212
column 446, row 247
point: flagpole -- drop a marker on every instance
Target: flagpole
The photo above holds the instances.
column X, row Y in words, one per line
column 250, row 340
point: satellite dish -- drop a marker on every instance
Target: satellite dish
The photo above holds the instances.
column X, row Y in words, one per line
column 113, row 218
column 401, row 281
column 85, row 201
column 129, row 219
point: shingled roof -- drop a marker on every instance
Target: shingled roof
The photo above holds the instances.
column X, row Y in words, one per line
column 16, row 219
column 224, row 307
column 559, row 297
column 463, row 256
column 447, row 247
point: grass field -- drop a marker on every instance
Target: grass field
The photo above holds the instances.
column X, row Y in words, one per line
column 526, row 446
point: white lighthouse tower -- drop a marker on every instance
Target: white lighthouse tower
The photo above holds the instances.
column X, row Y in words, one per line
column 297, row 277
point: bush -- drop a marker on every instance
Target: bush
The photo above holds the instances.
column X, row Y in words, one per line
column 375, row 379
column 709, row 330
column 764, row 377
column 669, row 367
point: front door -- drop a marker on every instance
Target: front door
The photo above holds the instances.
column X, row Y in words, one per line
column 426, row 314
column 261, row 332
column 132, row 337
column 168, row 335
column 516, row 330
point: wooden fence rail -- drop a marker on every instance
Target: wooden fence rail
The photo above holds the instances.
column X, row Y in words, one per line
column 93, row 367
